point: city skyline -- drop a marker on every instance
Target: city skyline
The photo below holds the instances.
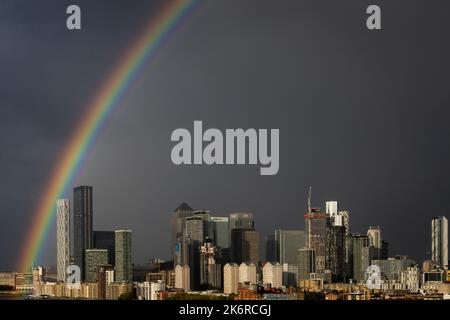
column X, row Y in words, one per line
column 63, row 206
column 245, row 222
column 219, row 257
column 362, row 116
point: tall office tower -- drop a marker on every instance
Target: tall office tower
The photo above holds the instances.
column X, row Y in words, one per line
column 230, row 278
column 106, row 240
column 105, row 276
column 241, row 221
column 345, row 221
column 182, row 278
column 273, row 274
column 220, row 231
column 94, row 258
column 62, row 238
column 287, row 243
column 361, row 256
column 346, row 224
column 270, row 247
column 123, row 263
column 316, row 223
column 374, row 234
column 244, row 246
column 178, row 224
column 221, row 238
column 439, row 241
column 306, row 261
column 198, row 226
column 331, row 208
column 335, row 251
column 82, row 224
column 247, row 273
column 197, row 230
column 210, row 271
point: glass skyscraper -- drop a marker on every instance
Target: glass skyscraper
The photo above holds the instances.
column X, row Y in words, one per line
column 106, row 240
column 287, row 244
column 82, row 224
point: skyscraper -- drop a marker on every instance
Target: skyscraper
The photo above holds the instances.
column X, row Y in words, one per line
column 287, row 243
column 82, row 224
column 361, row 255
column 244, row 246
column 241, row 220
column 62, row 238
column 105, row 240
column 178, row 225
column 210, row 271
column 94, row 258
column 315, row 224
column 306, row 260
column 221, row 238
column 197, row 226
column 105, row 277
column 220, row 231
column 335, row 251
column 345, row 221
column 331, row 208
column 439, row 241
column 197, row 230
column 244, row 240
column 374, row 234
column 123, row 265
column 270, row 247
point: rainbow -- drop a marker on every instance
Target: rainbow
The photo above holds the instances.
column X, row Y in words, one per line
column 108, row 99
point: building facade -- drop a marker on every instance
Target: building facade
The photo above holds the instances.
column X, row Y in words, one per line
column 230, row 278
column 106, row 240
column 183, row 278
column 273, row 275
column 247, row 273
column 287, row 243
column 82, row 224
column 210, row 271
column 316, row 222
column 123, row 263
column 335, row 252
column 306, row 261
column 439, row 241
column 244, row 246
column 94, row 258
column 62, row 238
column 178, row 225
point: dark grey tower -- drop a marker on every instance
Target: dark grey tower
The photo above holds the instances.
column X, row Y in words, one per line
column 178, row 222
column 82, row 224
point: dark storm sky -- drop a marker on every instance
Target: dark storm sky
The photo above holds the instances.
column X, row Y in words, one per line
column 363, row 116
